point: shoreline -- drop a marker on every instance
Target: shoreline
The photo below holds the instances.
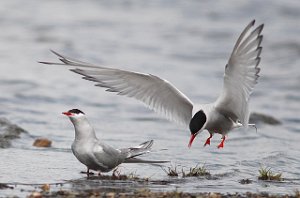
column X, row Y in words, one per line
column 116, row 188
column 153, row 194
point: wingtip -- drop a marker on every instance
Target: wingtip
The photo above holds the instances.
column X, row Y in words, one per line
column 150, row 143
column 51, row 63
column 257, row 61
column 57, row 54
column 46, row 63
column 260, row 37
column 78, row 71
column 260, row 28
column 259, row 49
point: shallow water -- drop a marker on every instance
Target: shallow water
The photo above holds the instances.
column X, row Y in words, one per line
column 187, row 43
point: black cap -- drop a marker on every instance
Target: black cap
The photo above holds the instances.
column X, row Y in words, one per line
column 197, row 122
column 76, row 111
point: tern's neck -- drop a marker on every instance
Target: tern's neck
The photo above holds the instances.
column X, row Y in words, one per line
column 83, row 129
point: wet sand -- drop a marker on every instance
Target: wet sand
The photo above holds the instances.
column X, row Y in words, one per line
column 130, row 191
column 119, row 185
column 147, row 193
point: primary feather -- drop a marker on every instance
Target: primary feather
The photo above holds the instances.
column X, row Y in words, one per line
column 158, row 94
column 230, row 110
column 241, row 74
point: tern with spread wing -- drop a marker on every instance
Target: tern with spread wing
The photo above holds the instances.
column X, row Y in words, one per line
column 96, row 154
column 229, row 111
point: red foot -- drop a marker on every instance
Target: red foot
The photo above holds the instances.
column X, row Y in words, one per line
column 221, row 145
column 208, row 140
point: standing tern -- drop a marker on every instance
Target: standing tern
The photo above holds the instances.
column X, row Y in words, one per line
column 229, row 111
column 96, row 154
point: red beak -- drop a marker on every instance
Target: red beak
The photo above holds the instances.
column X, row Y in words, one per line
column 192, row 139
column 67, row 113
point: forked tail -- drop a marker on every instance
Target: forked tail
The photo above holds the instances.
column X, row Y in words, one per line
column 132, row 152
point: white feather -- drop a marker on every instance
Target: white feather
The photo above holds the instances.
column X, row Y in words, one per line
column 241, row 74
column 158, row 94
column 229, row 111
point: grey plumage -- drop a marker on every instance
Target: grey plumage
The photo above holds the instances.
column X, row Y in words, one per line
column 229, row 111
column 96, row 154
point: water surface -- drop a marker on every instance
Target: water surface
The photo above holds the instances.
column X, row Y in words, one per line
column 187, row 43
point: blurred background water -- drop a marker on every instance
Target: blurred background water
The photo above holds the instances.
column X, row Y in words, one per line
column 186, row 42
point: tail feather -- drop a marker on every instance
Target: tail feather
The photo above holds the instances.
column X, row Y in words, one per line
column 138, row 150
column 132, row 152
column 144, row 145
column 137, row 160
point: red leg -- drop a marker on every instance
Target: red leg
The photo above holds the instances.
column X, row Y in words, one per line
column 208, row 140
column 221, row 145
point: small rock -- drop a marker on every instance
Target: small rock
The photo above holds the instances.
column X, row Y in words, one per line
column 110, row 195
column 122, row 195
column 4, row 186
column 214, row 195
column 9, row 132
column 245, row 181
column 42, row 142
column 35, row 195
column 45, row 187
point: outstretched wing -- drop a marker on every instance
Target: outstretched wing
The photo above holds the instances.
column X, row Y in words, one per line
column 241, row 74
column 158, row 94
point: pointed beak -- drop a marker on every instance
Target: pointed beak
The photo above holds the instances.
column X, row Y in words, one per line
column 192, row 139
column 67, row 113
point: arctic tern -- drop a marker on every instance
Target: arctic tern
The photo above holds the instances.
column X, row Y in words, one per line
column 229, row 111
column 96, row 154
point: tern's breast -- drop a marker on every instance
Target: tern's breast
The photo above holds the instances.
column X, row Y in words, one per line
column 218, row 123
column 83, row 151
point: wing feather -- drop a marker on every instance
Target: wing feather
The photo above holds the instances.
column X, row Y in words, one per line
column 241, row 74
column 158, row 94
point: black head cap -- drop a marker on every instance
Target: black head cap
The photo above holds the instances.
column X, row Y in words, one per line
column 76, row 111
column 197, row 122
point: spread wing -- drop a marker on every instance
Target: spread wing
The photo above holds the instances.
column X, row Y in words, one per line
column 241, row 74
column 158, row 94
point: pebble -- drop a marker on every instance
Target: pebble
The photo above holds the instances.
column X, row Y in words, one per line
column 42, row 142
column 35, row 195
